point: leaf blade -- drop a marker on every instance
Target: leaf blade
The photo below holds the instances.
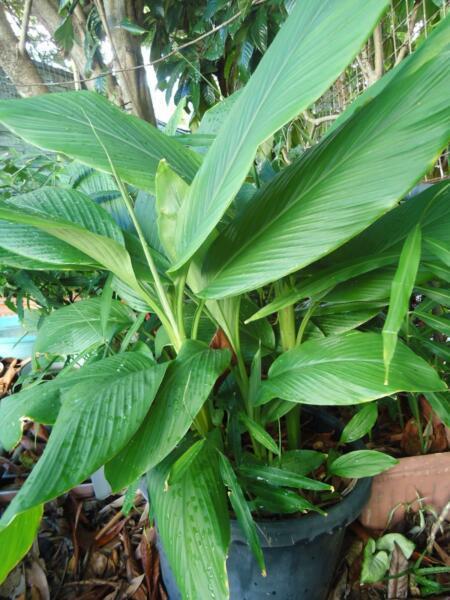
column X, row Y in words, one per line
column 193, row 524
column 314, row 203
column 191, row 376
column 361, row 463
column 242, row 510
column 401, row 290
column 91, row 427
column 78, row 326
column 360, row 424
column 300, row 64
column 59, row 122
column 17, row 538
column 344, row 370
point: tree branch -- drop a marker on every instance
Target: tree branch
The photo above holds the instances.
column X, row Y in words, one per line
column 24, row 28
column 319, row 120
column 404, row 47
column 46, row 12
column 169, row 54
column 378, row 53
column 127, row 56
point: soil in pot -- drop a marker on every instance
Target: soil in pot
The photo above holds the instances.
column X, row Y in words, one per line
column 301, row 553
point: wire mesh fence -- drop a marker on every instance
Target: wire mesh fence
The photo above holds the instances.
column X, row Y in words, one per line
column 402, row 29
column 48, row 73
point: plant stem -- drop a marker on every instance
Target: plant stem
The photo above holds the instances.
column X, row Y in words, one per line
column 178, row 338
column 414, row 405
column 304, row 324
column 242, row 371
column 202, row 421
column 293, row 428
column 242, row 376
column 196, row 321
column 133, row 329
column 169, row 319
column 179, row 287
column 286, row 321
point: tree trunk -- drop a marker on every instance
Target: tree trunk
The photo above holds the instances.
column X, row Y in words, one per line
column 127, row 55
column 17, row 66
column 46, row 12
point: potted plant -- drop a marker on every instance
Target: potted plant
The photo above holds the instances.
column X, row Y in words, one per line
column 410, row 427
column 416, row 428
column 203, row 420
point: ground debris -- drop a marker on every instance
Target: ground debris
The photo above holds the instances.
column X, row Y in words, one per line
column 85, row 552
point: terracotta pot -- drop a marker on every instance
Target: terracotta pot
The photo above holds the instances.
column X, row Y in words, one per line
column 426, row 477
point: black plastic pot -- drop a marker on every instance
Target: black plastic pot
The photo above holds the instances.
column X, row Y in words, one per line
column 301, row 554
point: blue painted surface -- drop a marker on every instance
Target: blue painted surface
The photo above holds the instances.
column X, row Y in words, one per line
column 15, row 341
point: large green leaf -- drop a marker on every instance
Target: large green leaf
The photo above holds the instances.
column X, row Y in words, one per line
column 312, row 48
column 430, row 208
column 64, row 123
column 441, row 251
column 360, row 424
column 193, row 524
column 343, row 184
column 374, row 286
column 345, row 370
column 402, row 287
column 214, row 118
column 440, row 403
column 68, row 205
column 24, row 246
column 441, row 324
column 338, row 323
column 378, row 246
column 97, row 418
column 361, row 463
column 12, row 259
column 76, row 327
column 186, row 387
column 145, row 211
column 16, row 539
column 439, row 295
column 75, row 219
column 39, row 403
column 316, row 285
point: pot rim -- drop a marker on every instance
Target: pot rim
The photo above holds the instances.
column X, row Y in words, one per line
column 305, row 528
